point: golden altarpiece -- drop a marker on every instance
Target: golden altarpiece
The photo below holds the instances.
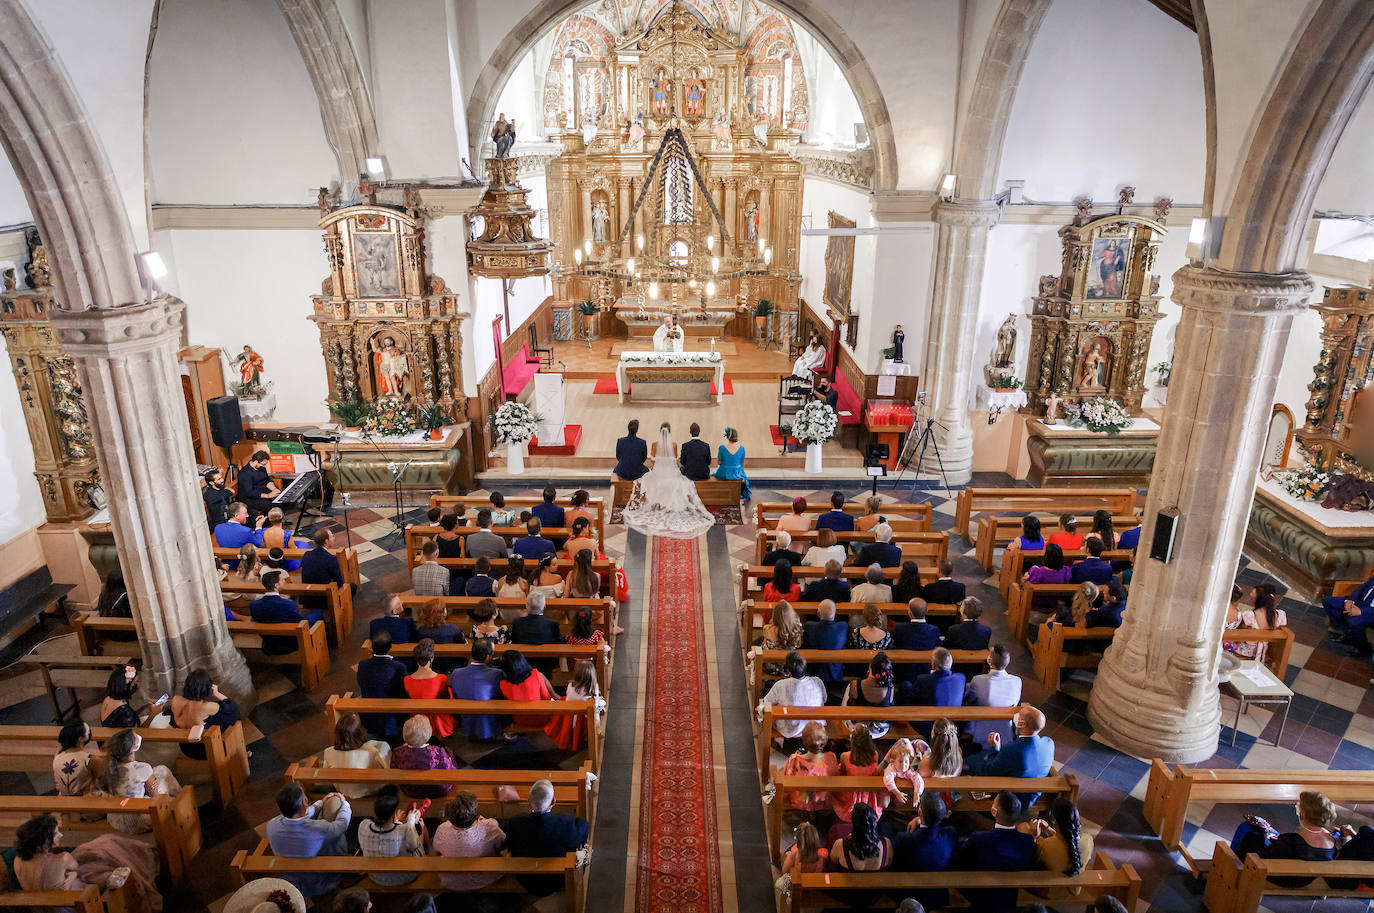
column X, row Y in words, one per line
column 1091, row 324
column 1344, row 368
column 386, row 326
column 613, row 193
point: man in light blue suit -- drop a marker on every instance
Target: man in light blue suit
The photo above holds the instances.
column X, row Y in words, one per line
column 1352, row 614
column 1029, row 755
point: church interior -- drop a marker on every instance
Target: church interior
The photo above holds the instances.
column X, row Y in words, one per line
column 686, row 455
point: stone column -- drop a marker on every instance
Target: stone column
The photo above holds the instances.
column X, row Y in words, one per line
column 126, row 358
column 1156, row 692
column 960, row 249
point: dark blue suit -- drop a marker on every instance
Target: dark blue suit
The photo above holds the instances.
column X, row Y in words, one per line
column 1355, row 625
column 1129, row 539
column 631, row 453
column 883, row 554
column 967, row 635
column 837, row 520
column 381, row 676
column 274, row 609
column 531, row 548
column 546, row 834
column 826, row 635
column 1109, row 616
column 319, row 565
column 479, row 585
column 936, row 689
column 998, row 850
column 1094, row 569
column 695, row 458
column 1027, row 756
column 548, row 514
column 400, row 627
column 913, row 635
column 821, row 589
column 926, row 849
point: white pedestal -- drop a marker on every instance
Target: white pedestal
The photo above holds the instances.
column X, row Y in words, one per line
column 550, row 403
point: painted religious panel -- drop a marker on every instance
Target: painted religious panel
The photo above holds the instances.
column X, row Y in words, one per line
column 1106, row 279
column 376, row 265
column 839, row 266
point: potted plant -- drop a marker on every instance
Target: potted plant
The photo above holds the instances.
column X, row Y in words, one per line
column 432, row 417
column 815, row 424
column 1163, row 369
column 588, row 311
column 351, row 413
column 890, row 353
column 514, row 424
column 1006, row 383
column 761, row 312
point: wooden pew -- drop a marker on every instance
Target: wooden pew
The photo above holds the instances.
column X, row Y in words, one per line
column 348, row 560
column 762, row 573
column 605, row 569
column 906, row 517
column 713, row 492
column 417, row 536
column 924, row 548
column 1015, row 563
column 1169, row 792
column 311, row 653
column 88, row 900
column 573, row 790
column 599, row 656
column 970, row 501
column 562, row 609
column 995, row 532
column 338, row 705
column 175, row 819
column 60, row 669
column 337, row 601
column 595, row 506
column 1065, row 785
column 754, row 610
column 863, row 657
column 831, row 889
column 261, row 863
column 226, row 751
column 1233, row 887
column 836, row 719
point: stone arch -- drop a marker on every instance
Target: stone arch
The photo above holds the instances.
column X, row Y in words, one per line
column 67, row 179
column 1322, row 82
column 486, row 92
column 345, row 105
column 978, row 152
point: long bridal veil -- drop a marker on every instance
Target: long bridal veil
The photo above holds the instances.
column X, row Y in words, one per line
column 664, row 502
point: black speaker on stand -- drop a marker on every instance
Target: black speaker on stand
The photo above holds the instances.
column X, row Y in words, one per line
column 226, row 424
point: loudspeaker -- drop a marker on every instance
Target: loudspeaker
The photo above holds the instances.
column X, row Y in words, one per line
column 1166, row 525
column 226, row 422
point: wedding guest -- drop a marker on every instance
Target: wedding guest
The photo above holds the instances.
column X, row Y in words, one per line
column 806, row 856
column 695, row 456
column 826, row 633
column 915, row 634
column 581, row 539
column 871, row 516
column 1109, row 614
column 425, row 684
column 234, row 531
column 449, row 544
column 864, row 849
column 248, row 565
column 1312, row 842
column 940, row 687
column 782, row 550
column 873, row 589
column 945, row 590
column 994, row 688
column 466, row 834
column 569, row 731
column 861, row 760
column 582, row 582
column 274, row 608
column 928, row 846
column 1102, row 528
column 783, row 585
column 394, row 622
column 968, row 634
column 579, row 510
column 418, row 754
column 1031, row 539
column 114, row 603
column 320, row 565
column 381, row 676
column 877, row 688
column 783, row 632
column 432, row 624
column 535, row 630
column 117, row 710
column 128, row 778
column 544, row 832
column 392, row 831
column 945, row 758
column 1028, row 756
column 810, row 760
column 217, row 497
column 835, row 518
column 1051, row 570
column 532, row 545
column 826, row 549
column 1060, row 845
column 584, row 633
column 199, row 705
column 71, row 766
column 1000, row 849
column 1093, row 567
column 479, row 680
column 548, row 513
column 881, row 551
column 1069, row 539
column 522, row 682
column 513, row 585
column 631, row 453
column 907, row 586
column 872, row 633
column 831, row 586
column 304, row 831
column 796, row 690
column 353, row 749
column 796, row 522
column 544, row 580
column 487, row 625
column 484, row 543
column 500, row 516
column 481, row 583
column 108, row 861
column 730, row 460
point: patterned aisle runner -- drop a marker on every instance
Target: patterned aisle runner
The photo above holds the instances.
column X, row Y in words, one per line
column 679, row 864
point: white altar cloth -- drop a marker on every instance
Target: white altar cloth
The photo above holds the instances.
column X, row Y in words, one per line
column 669, row 360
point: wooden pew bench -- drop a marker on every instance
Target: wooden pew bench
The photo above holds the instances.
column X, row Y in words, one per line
column 572, row 655
column 260, row 863
column 762, row 681
column 970, row 501
column 337, row 602
column 417, row 536
column 996, row 532
column 755, row 613
column 31, row 748
column 760, row 574
column 311, row 654
column 1236, row 887
column 925, row 548
column 471, row 504
column 61, row 669
column 89, row 899
column 348, row 560
column 1015, row 563
column 1169, row 792
column 713, row 492
column 837, row 889
column 175, row 820
column 901, row 517
column 603, row 610
column 605, row 569
column 337, row 705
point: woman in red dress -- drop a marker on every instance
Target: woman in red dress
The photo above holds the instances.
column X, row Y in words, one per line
column 424, row 684
column 521, row 682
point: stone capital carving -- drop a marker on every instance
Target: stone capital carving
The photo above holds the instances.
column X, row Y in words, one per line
column 1219, row 290
column 113, row 332
column 966, row 213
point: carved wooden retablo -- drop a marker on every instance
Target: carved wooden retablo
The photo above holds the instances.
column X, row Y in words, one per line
column 1344, row 367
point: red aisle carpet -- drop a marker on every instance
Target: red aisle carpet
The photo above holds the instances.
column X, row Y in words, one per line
column 606, row 384
column 679, row 864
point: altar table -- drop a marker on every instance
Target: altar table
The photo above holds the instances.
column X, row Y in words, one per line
column 671, row 376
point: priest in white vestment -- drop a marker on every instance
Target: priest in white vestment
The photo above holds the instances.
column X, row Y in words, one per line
column 811, row 359
column 669, row 336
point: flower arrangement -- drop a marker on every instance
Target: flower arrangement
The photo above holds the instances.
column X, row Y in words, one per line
column 669, row 358
column 514, row 423
column 351, row 412
column 391, row 417
column 1099, row 414
column 1006, row 382
column 1307, row 482
column 431, row 415
column 815, row 423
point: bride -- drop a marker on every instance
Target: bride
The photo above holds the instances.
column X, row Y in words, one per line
column 664, row 502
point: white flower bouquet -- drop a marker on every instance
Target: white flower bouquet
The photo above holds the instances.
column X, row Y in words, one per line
column 1100, row 414
column 1307, row 482
column 815, row 423
column 514, row 423
column 670, row 358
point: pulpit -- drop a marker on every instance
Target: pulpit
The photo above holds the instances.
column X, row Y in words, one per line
column 550, row 405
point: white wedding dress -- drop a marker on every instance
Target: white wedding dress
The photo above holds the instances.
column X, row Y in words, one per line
column 664, row 502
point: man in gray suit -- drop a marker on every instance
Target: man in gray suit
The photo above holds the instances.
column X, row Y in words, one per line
column 995, row 688
column 484, row 542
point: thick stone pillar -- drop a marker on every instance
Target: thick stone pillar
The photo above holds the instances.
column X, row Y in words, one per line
column 1156, row 692
column 126, row 359
column 961, row 245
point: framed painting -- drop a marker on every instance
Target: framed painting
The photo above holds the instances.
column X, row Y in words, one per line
column 376, row 265
column 839, row 266
column 1106, row 279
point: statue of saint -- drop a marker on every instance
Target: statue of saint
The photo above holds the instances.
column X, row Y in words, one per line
column 249, row 364
column 1094, row 367
column 898, row 340
column 1005, row 353
column 751, row 221
column 503, row 135
column 722, row 129
column 390, row 363
column 1052, row 408
column 600, row 218
column 637, row 129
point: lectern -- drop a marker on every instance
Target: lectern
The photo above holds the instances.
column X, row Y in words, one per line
column 549, row 404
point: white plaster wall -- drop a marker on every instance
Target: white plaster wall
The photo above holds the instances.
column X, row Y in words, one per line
column 253, row 288
column 901, row 287
column 1349, row 182
column 412, row 89
column 21, row 501
column 1304, row 348
column 232, row 114
column 14, row 206
column 819, row 198
column 520, row 101
column 1078, row 128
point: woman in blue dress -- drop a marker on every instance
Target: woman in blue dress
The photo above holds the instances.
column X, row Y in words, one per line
column 732, row 463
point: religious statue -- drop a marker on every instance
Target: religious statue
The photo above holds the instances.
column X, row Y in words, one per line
column 659, row 89
column 250, row 365
column 722, row 129
column 1094, row 371
column 761, row 130
column 390, row 363
column 600, row 219
column 1111, row 270
column 36, row 272
column 1005, row 354
column 898, row 340
column 751, row 221
column 668, row 337
column 695, row 106
column 588, row 129
column 1052, row 403
column 503, row 135
column 637, row 129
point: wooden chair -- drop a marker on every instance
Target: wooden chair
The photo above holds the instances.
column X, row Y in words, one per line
column 713, row 492
column 969, row 501
column 537, row 353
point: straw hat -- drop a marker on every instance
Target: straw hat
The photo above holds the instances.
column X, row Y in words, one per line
column 252, row 897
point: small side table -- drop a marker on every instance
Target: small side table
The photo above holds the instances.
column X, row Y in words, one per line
column 1253, row 683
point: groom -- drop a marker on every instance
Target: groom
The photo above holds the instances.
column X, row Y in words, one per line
column 695, row 456
column 631, row 453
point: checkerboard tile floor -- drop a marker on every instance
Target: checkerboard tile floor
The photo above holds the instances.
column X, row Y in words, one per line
column 1331, row 722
